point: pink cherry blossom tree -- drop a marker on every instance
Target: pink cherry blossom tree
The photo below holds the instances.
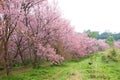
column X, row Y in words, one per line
column 9, row 23
column 117, row 44
column 36, row 29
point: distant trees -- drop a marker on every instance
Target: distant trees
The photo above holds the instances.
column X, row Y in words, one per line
column 104, row 35
column 110, row 40
column 92, row 34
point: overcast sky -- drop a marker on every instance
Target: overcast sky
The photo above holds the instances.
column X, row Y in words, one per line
column 96, row 15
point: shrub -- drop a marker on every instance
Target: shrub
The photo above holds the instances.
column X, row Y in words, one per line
column 112, row 54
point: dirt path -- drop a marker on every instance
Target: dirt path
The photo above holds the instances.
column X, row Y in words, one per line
column 21, row 70
column 75, row 76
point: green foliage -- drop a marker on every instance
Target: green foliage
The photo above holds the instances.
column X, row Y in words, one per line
column 92, row 34
column 104, row 35
column 112, row 54
column 110, row 40
column 74, row 70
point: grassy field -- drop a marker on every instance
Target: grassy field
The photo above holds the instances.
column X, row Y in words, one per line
column 89, row 68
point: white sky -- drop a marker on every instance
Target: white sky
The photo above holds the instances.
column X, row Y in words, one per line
column 96, row 15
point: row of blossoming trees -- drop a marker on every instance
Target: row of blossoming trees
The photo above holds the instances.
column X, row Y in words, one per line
column 34, row 31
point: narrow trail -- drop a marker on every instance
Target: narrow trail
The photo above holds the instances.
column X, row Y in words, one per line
column 19, row 71
column 76, row 76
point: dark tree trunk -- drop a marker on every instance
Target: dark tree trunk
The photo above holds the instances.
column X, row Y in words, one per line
column 6, row 58
column 34, row 58
column 22, row 59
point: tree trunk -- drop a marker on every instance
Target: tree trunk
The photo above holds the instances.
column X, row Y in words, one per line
column 35, row 58
column 6, row 58
column 22, row 59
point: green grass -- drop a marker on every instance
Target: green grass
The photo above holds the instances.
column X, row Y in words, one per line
column 79, row 69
